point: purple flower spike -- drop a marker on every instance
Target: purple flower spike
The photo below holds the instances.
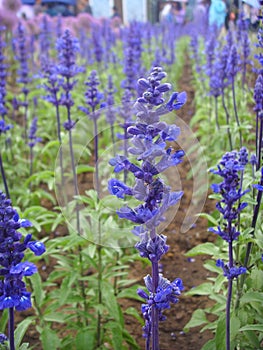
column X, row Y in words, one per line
column 33, row 139
column 13, row 291
column 148, row 138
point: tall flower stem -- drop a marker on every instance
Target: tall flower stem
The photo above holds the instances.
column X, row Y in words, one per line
column 11, row 328
column 3, row 176
column 216, row 113
column 256, row 132
column 99, row 295
column 229, row 293
column 259, row 143
column 155, row 314
column 31, row 155
column 60, row 146
column 96, row 153
column 148, row 136
column 227, row 121
column 254, row 222
column 235, row 110
column 75, row 179
column 25, row 114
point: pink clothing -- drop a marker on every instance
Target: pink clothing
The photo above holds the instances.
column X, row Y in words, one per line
column 179, row 16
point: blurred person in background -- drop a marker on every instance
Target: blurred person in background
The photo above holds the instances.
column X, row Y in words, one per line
column 217, row 14
column 115, row 13
column 26, row 10
column 250, row 9
column 84, row 7
column 179, row 12
column 232, row 14
column 58, row 9
column 38, row 8
column 200, row 16
column 189, row 13
column 167, row 14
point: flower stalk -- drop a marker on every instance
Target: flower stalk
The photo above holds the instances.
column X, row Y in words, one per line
column 149, row 137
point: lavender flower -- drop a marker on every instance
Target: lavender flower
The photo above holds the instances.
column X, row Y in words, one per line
column 210, row 46
column 230, row 272
column 110, row 113
column 132, row 58
column 166, row 293
column 94, row 100
column 243, row 156
column 246, row 54
column 3, row 128
column 68, row 47
column 97, row 42
column 33, row 139
column 149, row 137
column 44, row 42
column 3, row 338
column 230, row 207
column 232, row 67
column 258, row 93
column 3, row 75
column 21, row 55
column 13, row 290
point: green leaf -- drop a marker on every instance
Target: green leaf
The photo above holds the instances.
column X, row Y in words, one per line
column 130, row 293
column 116, row 334
column 21, row 330
column 85, row 339
column 4, row 320
column 49, row 339
column 220, row 335
column 211, row 220
column 111, row 303
column 207, row 248
column 24, row 346
column 256, row 277
column 250, row 297
column 84, row 169
column 234, row 327
column 198, row 318
column 252, row 339
column 133, row 312
column 37, row 288
column 55, row 317
column 210, row 345
column 202, row 289
column 252, row 327
column 130, row 340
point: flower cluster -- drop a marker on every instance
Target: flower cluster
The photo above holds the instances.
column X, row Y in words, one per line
column 230, row 272
column 33, row 139
column 166, row 293
column 148, row 138
column 3, row 75
column 67, row 47
column 13, row 291
column 94, row 98
column 230, row 205
column 21, row 55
